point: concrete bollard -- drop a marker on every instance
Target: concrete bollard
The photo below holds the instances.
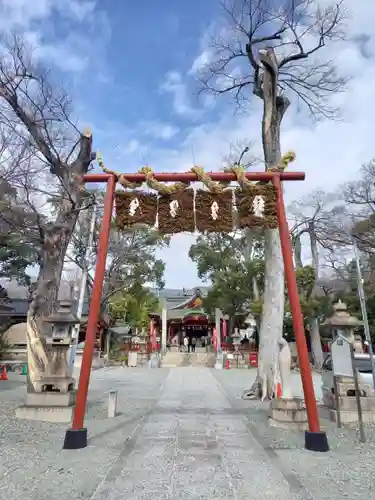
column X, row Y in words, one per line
column 112, row 404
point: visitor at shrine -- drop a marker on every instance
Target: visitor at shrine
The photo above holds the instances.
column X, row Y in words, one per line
column 193, row 344
column 186, row 343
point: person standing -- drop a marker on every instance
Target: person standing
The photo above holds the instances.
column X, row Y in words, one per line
column 186, row 343
column 193, row 344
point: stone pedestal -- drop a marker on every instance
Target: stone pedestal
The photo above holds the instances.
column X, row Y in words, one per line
column 54, row 407
column 219, row 362
column 347, row 403
column 349, row 411
column 154, row 361
column 288, row 414
column 132, row 359
column 54, row 385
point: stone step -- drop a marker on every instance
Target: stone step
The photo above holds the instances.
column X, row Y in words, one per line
column 175, row 359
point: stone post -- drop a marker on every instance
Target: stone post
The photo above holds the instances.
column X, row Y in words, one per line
column 219, row 356
column 112, row 404
column 164, row 328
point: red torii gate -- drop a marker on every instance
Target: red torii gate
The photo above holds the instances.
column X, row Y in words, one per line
column 76, row 436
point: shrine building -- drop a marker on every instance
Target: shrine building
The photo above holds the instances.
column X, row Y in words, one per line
column 185, row 316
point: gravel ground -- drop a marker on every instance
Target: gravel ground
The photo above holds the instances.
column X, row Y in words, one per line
column 32, row 461
column 165, row 417
column 346, row 471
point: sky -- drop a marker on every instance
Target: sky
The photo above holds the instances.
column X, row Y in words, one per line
column 131, row 70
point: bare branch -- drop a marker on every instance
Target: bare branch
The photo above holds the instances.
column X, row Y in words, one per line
column 295, row 31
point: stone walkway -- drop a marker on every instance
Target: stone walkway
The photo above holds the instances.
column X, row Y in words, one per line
column 193, row 444
column 183, row 433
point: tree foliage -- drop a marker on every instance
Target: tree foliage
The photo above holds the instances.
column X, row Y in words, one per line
column 133, row 306
column 16, row 254
column 222, row 259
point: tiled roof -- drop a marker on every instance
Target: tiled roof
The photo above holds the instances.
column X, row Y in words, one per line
column 14, row 307
column 19, row 307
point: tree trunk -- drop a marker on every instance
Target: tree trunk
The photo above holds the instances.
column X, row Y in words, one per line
column 271, row 328
column 316, row 345
column 45, row 297
column 56, row 237
column 298, row 251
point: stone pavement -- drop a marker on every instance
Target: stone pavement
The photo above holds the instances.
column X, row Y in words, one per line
column 181, row 434
column 194, row 445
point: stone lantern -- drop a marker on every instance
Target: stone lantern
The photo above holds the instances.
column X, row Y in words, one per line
column 54, row 396
column 58, row 377
column 341, row 322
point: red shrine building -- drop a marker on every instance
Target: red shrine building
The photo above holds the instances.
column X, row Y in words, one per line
column 185, row 316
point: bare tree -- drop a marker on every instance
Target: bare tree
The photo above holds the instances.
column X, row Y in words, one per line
column 311, row 218
column 37, row 113
column 240, row 153
column 270, row 51
column 359, row 198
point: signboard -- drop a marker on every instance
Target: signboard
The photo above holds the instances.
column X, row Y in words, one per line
column 341, row 357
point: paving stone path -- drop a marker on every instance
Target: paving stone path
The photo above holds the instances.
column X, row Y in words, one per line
column 194, row 444
column 183, row 433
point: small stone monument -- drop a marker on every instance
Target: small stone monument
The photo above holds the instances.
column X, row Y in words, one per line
column 342, row 325
column 53, row 398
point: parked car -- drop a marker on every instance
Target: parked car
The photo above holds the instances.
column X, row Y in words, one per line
column 362, row 363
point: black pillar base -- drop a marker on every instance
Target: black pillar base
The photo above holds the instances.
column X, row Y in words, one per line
column 316, row 441
column 75, row 439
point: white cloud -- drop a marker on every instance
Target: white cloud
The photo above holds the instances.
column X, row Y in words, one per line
column 180, row 271
column 38, row 19
column 329, row 152
column 204, row 58
column 174, row 85
column 24, row 12
column 62, row 55
column 159, row 130
column 78, row 10
column 131, row 147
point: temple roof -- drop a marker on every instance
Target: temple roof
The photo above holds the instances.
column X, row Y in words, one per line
column 180, row 314
column 190, row 305
column 194, row 301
